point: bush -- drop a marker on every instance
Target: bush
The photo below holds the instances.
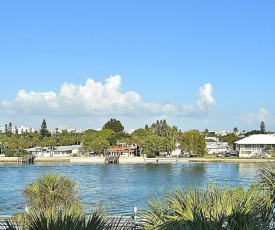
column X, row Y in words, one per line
column 210, row 208
column 10, row 152
column 51, row 193
column 150, row 154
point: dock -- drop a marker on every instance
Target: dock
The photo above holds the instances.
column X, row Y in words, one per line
column 112, row 159
column 26, row 159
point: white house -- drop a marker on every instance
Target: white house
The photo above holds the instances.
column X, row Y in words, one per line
column 66, row 150
column 40, row 151
column 216, row 147
column 255, row 145
column 57, row 151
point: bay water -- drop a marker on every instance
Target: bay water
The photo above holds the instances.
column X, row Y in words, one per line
column 120, row 187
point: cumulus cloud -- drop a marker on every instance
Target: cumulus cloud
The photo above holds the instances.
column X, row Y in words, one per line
column 97, row 98
column 259, row 116
column 205, row 102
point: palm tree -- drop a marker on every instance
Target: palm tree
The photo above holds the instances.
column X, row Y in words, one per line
column 51, row 193
column 53, row 204
column 60, row 221
column 212, row 208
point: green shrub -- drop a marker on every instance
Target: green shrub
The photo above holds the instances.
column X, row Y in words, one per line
column 150, row 154
column 210, row 208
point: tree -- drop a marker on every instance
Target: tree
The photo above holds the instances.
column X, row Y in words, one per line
column 230, row 138
column 52, row 193
column 114, row 138
column 235, row 130
column 44, row 131
column 159, row 127
column 252, row 132
column 114, row 125
column 141, row 137
column 6, row 129
column 53, row 204
column 262, row 127
column 193, row 142
column 99, row 145
column 10, row 127
column 206, row 131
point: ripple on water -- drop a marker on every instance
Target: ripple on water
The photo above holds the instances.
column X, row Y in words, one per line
column 120, row 187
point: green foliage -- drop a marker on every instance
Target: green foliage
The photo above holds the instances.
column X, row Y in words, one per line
column 230, row 139
column 22, row 152
column 149, row 154
column 10, row 152
column 53, row 204
column 67, row 221
column 159, row 128
column 52, row 193
column 90, row 134
column 44, row 131
column 262, row 127
column 252, row 132
column 211, row 208
column 106, row 133
column 15, row 152
column 97, row 141
column 114, row 125
column 141, row 137
column 117, row 137
column 266, row 178
column 193, row 142
column 99, row 145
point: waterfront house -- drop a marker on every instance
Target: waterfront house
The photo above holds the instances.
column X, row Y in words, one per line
column 216, row 147
column 255, row 145
column 70, row 150
column 40, row 151
column 121, row 151
column 57, row 151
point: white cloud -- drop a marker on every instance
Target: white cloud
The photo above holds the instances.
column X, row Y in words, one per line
column 205, row 99
column 205, row 102
column 261, row 115
column 100, row 99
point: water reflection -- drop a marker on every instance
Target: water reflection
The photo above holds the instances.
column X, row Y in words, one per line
column 120, row 187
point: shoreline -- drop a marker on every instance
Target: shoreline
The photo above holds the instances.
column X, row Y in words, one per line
column 137, row 160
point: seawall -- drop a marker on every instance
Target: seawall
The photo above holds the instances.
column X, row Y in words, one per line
column 137, row 160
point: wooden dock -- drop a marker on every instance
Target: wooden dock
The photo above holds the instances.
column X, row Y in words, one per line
column 26, row 159
column 112, row 159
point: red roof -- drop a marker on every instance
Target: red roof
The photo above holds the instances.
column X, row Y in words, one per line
column 121, row 149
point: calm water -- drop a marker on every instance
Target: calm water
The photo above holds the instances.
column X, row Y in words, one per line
column 120, row 187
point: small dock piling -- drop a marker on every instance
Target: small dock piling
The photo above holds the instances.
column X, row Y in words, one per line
column 26, row 159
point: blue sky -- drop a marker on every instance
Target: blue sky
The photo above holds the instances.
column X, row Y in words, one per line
column 197, row 64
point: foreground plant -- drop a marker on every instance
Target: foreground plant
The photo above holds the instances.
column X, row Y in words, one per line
column 211, row 208
column 60, row 221
column 52, row 193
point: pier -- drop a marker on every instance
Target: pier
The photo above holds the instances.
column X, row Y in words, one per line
column 112, row 159
column 26, row 159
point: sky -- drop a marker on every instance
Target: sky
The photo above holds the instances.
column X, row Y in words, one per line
column 197, row 64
